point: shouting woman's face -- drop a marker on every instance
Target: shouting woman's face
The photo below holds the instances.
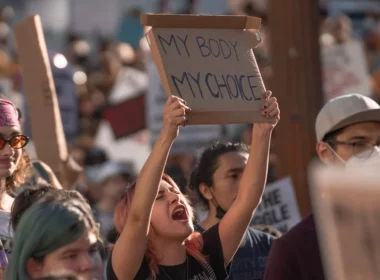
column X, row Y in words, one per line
column 171, row 215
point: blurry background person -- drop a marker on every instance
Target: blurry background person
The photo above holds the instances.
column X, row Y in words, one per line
column 114, row 178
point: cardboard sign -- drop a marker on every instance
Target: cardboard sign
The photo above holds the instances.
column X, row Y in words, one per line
column 208, row 61
column 279, row 206
column 67, row 101
column 347, row 211
column 191, row 138
column 41, row 96
column 345, row 70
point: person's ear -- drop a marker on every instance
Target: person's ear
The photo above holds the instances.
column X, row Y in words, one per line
column 325, row 153
column 205, row 191
column 34, row 268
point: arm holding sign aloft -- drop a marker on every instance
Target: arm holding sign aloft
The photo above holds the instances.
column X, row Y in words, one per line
column 252, row 182
column 134, row 235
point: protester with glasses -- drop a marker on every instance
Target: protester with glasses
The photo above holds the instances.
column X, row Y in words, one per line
column 13, row 168
column 348, row 135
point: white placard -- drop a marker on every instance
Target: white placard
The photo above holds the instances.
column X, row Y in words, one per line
column 279, row 206
column 129, row 83
column 345, row 70
column 135, row 148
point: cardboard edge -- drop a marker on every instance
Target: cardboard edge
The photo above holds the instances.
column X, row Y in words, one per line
column 28, row 20
column 200, row 21
column 158, row 61
column 253, row 23
column 254, row 37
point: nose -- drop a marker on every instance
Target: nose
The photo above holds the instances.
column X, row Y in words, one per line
column 7, row 150
column 86, row 263
column 173, row 197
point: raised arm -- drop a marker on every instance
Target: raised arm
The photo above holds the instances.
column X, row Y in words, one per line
column 234, row 224
column 129, row 249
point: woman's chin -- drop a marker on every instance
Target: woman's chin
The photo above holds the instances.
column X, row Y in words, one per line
column 6, row 172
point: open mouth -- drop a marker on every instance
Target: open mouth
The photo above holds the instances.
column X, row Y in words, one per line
column 180, row 214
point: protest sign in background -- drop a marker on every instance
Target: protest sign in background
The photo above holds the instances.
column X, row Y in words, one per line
column 345, row 70
column 126, row 112
column 122, row 133
column 41, row 95
column 208, row 61
column 279, row 206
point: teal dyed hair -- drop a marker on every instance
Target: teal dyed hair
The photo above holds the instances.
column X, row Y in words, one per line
column 46, row 227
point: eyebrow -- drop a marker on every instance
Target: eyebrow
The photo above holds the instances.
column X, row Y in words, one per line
column 175, row 189
column 358, row 138
column 70, row 251
column 235, row 170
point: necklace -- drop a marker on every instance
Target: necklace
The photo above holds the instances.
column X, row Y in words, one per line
column 187, row 270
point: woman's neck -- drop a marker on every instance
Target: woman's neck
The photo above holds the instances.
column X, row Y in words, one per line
column 170, row 252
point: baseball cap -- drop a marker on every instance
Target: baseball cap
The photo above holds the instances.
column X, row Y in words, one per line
column 344, row 111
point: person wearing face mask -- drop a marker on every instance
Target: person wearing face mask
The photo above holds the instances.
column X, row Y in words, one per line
column 215, row 183
column 348, row 135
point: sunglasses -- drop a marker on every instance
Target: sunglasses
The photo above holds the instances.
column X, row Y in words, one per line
column 16, row 142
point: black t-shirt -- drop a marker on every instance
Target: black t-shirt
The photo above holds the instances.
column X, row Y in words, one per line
column 212, row 270
column 250, row 259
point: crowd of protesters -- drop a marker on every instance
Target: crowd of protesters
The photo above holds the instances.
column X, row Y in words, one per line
column 116, row 222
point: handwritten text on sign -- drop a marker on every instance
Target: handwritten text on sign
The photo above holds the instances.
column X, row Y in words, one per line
column 278, row 207
column 207, row 66
column 345, row 70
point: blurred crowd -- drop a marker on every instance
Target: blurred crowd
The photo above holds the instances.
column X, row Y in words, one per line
column 89, row 71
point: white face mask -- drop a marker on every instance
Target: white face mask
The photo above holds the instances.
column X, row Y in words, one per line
column 370, row 162
column 361, row 162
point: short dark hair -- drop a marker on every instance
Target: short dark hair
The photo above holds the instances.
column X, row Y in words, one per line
column 25, row 199
column 330, row 137
column 208, row 163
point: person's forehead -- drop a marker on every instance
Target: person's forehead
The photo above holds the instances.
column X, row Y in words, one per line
column 166, row 185
column 365, row 129
column 9, row 130
column 88, row 238
column 232, row 160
